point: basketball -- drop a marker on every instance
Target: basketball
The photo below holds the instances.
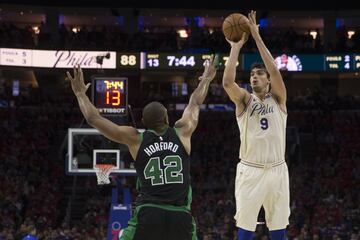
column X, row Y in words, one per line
column 234, row 26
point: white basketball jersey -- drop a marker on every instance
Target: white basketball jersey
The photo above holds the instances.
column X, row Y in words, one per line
column 262, row 128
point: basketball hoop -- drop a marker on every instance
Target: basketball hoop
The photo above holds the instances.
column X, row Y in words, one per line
column 103, row 172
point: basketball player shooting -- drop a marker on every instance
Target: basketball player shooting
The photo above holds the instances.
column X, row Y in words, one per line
column 262, row 174
column 162, row 162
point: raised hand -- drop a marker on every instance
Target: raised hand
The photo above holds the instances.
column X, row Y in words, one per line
column 209, row 71
column 254, row 28
column 77, row 82
column 241, row 42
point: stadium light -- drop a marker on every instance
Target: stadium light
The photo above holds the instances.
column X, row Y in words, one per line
column 313, row 34
column 36, row 29
column 76, row 29
column 183, row 33
column 350, row 34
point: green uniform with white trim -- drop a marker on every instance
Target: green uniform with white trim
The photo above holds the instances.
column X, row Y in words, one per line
column 163, row 204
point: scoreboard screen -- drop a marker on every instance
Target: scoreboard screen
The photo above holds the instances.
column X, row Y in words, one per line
column 173, row 61
column 178, row 61
column 338, row 62
column 109, row 95
column 128, row 60
column 309, row 62
column 137, row 61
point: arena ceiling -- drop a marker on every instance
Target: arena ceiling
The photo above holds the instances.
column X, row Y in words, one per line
column 200, row 4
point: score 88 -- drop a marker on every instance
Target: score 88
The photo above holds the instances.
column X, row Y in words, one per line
column 128, row 60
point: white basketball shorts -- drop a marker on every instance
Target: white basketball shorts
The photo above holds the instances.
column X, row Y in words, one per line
column 256, row 187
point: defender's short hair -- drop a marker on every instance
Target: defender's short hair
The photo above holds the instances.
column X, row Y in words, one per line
column 154, row 114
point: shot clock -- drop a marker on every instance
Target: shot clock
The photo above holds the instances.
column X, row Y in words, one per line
column 109, row 95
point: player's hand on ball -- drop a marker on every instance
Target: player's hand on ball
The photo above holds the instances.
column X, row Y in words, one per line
column 209, row 71
column 241, row 42
column 77, row 82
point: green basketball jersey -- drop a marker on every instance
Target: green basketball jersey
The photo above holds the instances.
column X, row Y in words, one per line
column 163, row 168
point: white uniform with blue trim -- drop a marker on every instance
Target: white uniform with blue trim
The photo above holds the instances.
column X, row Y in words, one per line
column 262, row 176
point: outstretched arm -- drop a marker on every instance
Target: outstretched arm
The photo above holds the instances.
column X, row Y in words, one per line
column 238, row 95
column 189, row 120
column 277, row 84
column 122, row 134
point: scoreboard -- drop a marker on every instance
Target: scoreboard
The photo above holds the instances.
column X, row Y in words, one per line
column 178, row 61
column 285, row 62
column 310, row 62
column 128, row 60
column 338, row 62
column 134, row 61
column 109, row 95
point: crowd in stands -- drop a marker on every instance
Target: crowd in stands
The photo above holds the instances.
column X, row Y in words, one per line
column 166, row 39
column 325, row 187
column 30, row 177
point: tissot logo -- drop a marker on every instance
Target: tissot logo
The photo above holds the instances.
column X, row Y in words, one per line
column 112, row 110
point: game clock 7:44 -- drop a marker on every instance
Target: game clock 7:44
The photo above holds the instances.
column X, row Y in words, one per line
column 172, row 61
column 183, row 61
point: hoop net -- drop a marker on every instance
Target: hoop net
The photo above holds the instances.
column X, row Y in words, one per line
column 103, row 172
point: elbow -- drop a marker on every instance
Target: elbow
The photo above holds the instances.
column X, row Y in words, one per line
column 226, row 84
column 90, row 121
column 227, row 80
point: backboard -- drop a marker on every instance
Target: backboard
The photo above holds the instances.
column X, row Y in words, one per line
column 87, row 148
